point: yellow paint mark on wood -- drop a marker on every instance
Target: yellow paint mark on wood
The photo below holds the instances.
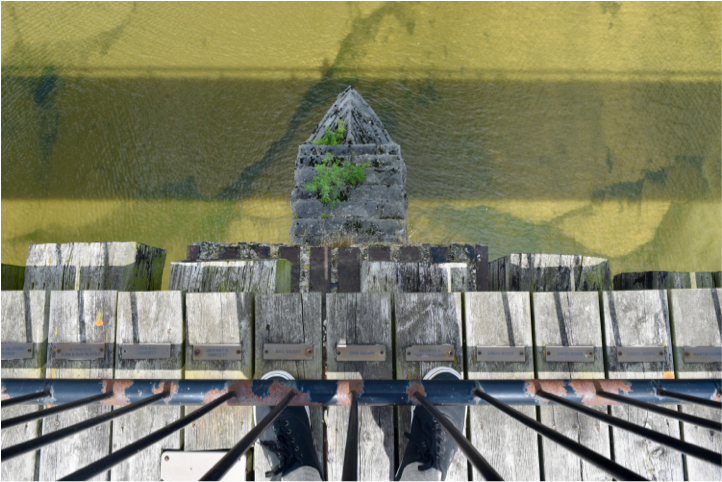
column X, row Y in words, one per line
column 52, row 372
column 56, row 331
column 668, row 375
column 98, row 320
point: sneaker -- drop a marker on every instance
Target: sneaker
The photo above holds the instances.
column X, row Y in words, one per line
column 429, row 444
column 288, row 443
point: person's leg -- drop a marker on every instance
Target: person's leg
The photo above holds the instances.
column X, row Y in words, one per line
column 430, row 449
column 288, row 443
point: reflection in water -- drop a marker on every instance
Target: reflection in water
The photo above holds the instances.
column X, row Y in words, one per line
column 200, row 145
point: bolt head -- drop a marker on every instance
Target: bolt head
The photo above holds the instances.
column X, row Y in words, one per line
column 30, row 350
column 549, row 353
column 309, row 351
column 687, row 354
column 196, row 352
column 166, row 458
column 661, row 353
column 338, row 352
column 238, row 352
column 590, row 353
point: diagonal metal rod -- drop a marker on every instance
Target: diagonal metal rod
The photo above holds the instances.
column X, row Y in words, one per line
column 486, row 470
column 231, row 458
column 28, row 417
column 689, row 398
column 684, row 417
column 599, row 461
column 671, row 442
column 350, row 458
column 25, row 398
column 135, row 448
column 35, row 444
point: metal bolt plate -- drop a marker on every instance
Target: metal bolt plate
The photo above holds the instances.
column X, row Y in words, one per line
column 300, row 351
column 145, row 351
column 501, row 354
column 367, row 353
column 79, row 351
column 699, row 354
column 17, row 351
column 418, row 353
column 573, row 354
column 640, row 354
column 217, row 352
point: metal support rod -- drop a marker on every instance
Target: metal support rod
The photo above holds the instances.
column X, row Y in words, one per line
column 671, row 442
column 135, row 448
column 370, row 392
column 486, row 470
column 599, row 461
column 47, row 439
column 231, row 458
column 28, row 417
column 350, row 457
column 690, row 399
column 684, row 417
column 25, row 398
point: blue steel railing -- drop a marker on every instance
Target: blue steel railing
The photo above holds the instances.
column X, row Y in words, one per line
column 578, row 395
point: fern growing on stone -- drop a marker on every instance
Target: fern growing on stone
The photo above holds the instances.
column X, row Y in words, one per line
column 333, row 177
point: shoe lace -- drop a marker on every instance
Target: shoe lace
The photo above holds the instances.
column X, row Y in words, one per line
column 430, row 447
column 283, row 447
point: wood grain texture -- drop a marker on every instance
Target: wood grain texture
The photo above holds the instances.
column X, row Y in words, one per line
column 395, row 277
column 549, row 273
column 360, row 319
column 79, row 317
column 147, row 317
column 427, row 319
column 638, row 318
column 501, row 319
column 126, row 266
column 290, row 318
column 219, row 318
column 570, row 319
column 696, row 320
column 24, row 320
column 257, row 276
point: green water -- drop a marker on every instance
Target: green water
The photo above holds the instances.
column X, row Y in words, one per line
column 573, row 128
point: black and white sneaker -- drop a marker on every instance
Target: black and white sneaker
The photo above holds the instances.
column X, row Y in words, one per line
column 288, row 443
column 429, row 444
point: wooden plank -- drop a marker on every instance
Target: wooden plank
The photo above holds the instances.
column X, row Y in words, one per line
column 427, row 319
column 482, row 267
column 147, row 317
column 290, row 318
column 126, row 266
column 261, row 276
column 360, row 319
column 13, row 277
column 501, row 319
column 549, row 273
column 569, row 319
column 696, row 320
column 24, row 320
column 79, row 317
column 639, row 318
column 219, row 318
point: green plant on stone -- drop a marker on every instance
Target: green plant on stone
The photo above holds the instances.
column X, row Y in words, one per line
column 333, row 176
column 332, row 138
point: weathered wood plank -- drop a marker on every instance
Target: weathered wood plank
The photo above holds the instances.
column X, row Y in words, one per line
column 13, row 277
column 147, row 317
column 696, row 320
column 501, row 319
column 396, row 277
column 641, row 318
column 290, row 318
column 258, row 276
column 125, row 266
column 427, row 319
column 360, row 319
column 549, row 273
column 569, row 319
column 24, row 320
column 219, row 318
column 79, row 317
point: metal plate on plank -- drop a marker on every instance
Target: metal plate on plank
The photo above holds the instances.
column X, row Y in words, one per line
column 299, row 351
column 430, row 353
column 368, row 353
column 573, row 354
column 145, row 351
column 515, row 354
column 184, row 465
column 17, row 351
column 700, row 354
column 640, row 354
column 217, row 352
column 79, row 351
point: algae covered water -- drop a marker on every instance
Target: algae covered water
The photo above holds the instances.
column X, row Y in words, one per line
column 589, row 128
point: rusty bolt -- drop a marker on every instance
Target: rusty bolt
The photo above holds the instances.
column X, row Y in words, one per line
column 169, row 332
column 238, row 352
column 193, row 424
column 590, row 353
column 166, row 458
column 687, row 354
column 309, row 351
column 196, row 351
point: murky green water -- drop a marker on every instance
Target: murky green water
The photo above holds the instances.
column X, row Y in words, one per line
column 574, row 128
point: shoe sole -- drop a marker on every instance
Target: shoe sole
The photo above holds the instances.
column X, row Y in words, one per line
column 286, row 376
column 431, row 374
